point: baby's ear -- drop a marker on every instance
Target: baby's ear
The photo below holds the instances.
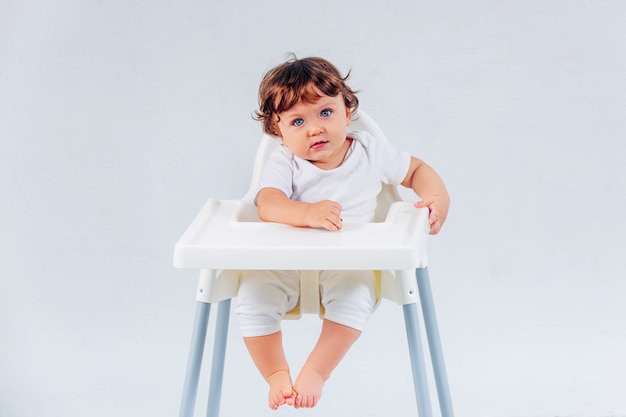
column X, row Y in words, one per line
column 348, row 116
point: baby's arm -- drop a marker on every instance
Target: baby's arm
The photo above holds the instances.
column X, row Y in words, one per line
column 430, row 187
column 275, row 206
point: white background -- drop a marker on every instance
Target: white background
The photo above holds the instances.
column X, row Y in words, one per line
column 118, row 119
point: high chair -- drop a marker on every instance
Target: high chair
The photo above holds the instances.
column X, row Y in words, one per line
column 227, row 236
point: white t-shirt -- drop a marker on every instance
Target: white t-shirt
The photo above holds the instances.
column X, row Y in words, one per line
column 354, row 184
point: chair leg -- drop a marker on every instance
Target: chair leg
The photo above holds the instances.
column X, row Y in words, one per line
column 194, row 362
column 219, row 356
column 434, row 342
column 416, row 352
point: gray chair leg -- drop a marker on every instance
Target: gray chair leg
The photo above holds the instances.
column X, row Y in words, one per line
column 219, row 356
column 194, row 362
column 434, row 342
column 416, row 352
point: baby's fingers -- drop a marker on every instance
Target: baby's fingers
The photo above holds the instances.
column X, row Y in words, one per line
column 334, row 223
column 434, row 219
column 425, row 203
column 435, row 224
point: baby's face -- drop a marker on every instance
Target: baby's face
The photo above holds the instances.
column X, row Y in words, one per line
column 317, row 131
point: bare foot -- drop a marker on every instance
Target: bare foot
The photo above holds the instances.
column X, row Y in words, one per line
column 308, row 388
column 281, row 390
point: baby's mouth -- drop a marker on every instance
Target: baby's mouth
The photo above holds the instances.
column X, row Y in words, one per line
column 318, row 145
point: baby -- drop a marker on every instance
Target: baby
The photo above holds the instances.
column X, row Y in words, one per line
column 321, row 177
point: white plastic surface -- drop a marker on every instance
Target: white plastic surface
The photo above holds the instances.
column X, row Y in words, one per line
column 217, row 239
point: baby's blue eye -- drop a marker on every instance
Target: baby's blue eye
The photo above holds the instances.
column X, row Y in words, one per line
column 326, row 112
column 297, row 122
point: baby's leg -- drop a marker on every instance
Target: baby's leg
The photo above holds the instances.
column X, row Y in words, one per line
column 334, row 342
column 262, row 300
column 349, row 298
column 269, row 357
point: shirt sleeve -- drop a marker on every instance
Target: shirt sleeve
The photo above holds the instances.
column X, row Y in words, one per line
column 277, row 173
column 392, row 163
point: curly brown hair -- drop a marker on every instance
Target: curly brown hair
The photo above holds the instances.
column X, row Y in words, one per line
column 300, row 80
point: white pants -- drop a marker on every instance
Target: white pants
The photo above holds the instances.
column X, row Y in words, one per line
column 348, row 297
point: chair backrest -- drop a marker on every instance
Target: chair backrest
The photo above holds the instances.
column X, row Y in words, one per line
column 362, row 122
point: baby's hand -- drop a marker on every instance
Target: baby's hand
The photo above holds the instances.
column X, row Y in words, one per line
column 326, row 214
column 438, row 213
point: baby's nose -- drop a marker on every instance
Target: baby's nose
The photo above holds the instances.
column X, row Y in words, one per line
column 317, row 129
